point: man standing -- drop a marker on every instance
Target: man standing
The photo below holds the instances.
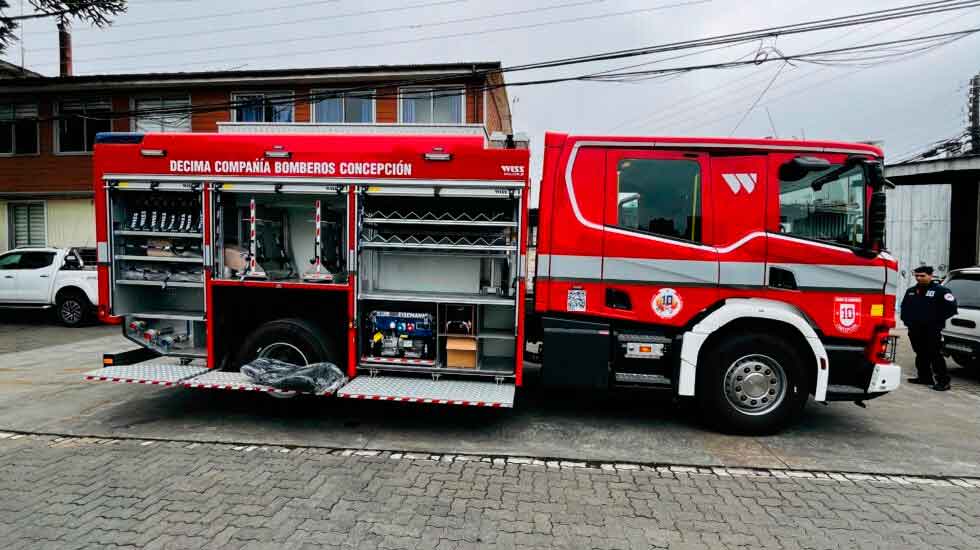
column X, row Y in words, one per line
column 925, row 309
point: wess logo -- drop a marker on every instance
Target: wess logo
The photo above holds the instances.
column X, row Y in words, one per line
column 741, row 181
column 512, row 169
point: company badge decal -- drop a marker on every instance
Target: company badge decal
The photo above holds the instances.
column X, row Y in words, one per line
column 847, row 314
column 667, row 303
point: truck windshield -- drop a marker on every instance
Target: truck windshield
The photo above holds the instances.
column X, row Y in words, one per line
column 834, row 213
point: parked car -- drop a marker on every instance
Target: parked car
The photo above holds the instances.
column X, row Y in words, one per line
column 961, row 337
column 65, row 279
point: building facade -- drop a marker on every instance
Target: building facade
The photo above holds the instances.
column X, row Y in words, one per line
column 48, row 124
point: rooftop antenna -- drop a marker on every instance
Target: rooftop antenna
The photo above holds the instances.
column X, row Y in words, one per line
column 772, row 124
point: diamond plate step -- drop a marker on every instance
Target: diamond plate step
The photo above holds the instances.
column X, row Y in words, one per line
column 417, row 390
column 219, row 380
column 155, row 372
column 640, row 378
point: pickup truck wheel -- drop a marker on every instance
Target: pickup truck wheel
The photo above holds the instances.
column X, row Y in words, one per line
column 752, row 384
column 73, row 309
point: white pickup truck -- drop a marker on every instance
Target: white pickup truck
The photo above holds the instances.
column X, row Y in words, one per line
column 44, row 278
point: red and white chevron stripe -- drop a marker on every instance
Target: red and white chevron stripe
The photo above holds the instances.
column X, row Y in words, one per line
column 418, row 400
column 128, row 380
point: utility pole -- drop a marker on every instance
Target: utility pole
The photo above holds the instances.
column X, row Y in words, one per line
column 974, row 129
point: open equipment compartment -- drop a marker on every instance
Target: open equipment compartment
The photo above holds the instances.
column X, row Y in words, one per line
column 157, row 253
column 446, row 258
column 265, row 232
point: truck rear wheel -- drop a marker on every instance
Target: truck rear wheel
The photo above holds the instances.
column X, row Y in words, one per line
column 293, row 341
column 752, row 384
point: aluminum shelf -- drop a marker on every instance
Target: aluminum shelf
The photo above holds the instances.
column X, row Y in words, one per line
column 402, row 221
column 437, row 297
column 486, row 334
column 166, row 259
column 175, row 284
column 132, row 233
column 169, row 314
column 481, row 370
column 465, row 247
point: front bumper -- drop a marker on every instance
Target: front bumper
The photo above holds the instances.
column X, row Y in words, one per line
column 885, row 378
column 958, row 344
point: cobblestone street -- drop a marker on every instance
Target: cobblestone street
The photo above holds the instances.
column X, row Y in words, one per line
column 96, row 493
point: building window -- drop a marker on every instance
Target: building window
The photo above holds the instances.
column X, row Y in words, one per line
column 353, row 107
column 18, row 129
column 26, row 224
column 432, row 105
column 662, row 197
column 79, row 121
column 263, row 107
column 162, row 114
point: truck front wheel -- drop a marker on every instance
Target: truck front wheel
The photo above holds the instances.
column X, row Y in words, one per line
column 293, row 341
column 752, row 384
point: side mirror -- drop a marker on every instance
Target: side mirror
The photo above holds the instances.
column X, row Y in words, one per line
column 799, row 167
column 876, row 220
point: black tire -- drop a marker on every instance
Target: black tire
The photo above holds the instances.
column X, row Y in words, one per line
column 73, row 308
column 298, row 340
column 964, row 360
column 775, row 384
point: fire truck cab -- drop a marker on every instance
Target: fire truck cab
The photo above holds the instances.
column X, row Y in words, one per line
column 747, row 274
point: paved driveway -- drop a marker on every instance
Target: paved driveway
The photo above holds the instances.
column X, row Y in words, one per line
column 913, row 431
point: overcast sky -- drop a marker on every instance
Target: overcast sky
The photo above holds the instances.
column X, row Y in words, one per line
column 904, row 105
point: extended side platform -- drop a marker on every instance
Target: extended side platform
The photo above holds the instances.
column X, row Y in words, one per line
column 171, row 373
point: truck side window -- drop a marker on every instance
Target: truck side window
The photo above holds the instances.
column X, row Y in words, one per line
column 834, row 212
column 10, row 261
column 658, row 196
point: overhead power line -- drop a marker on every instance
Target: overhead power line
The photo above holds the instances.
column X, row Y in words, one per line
column 401, row 42
column 603, row 76
column 308, row 38
column 683, row 116
column 206, row 16
column 267, row 25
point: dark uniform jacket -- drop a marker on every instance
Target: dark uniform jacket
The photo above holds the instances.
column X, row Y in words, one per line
column 928, row 306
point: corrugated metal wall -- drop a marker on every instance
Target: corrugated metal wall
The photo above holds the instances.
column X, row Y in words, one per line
column 918, row 228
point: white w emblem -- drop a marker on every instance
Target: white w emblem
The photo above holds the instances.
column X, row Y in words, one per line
column 738, row 181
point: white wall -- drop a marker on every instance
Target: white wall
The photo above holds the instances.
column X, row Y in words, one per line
column 917, row 229
column 71, row 222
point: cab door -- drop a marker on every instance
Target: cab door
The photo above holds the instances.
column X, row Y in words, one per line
column 33, row 277
column 657, row 267
column 739, row 198
column 8, row 281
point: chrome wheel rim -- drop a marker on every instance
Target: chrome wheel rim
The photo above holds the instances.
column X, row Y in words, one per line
column 285, row 352
column 71, row 311
column 755, row 384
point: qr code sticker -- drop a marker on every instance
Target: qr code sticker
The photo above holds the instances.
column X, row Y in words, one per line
column 576, row 299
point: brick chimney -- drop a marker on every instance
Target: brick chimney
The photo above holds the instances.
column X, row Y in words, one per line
column 64, row 47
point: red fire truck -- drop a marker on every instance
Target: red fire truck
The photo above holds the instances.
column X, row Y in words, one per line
column 746, row 274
